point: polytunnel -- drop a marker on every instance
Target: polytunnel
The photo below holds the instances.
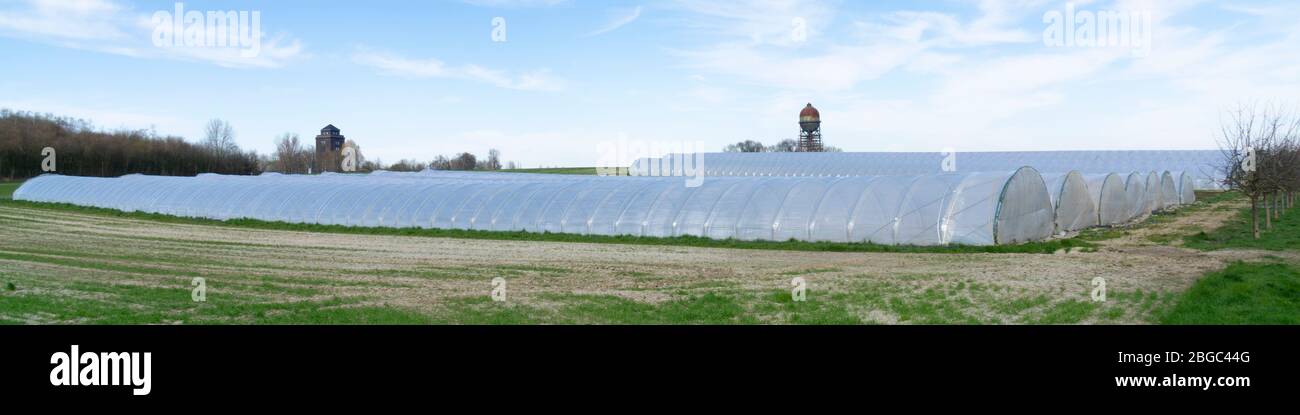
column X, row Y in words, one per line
column 972, row 208
column 1202, row 163
column 1108, row 195
column 1168, row 191
column 1136, row 187
column 1073, row 205
column 1186, row 188
column 1155, row 197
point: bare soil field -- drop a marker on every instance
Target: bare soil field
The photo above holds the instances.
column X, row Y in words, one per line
column 71, row 267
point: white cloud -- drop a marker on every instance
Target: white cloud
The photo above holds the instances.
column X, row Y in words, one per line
column 758, row 44
column 392, row 64
column 760, row 22
column 109, row 27
column 982, row 80
column 619, row 21
column 62, row 20
column 836, row 68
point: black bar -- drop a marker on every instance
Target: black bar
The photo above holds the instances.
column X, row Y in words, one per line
column 284, row 362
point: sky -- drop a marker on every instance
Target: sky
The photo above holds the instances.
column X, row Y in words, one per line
column 554, row 82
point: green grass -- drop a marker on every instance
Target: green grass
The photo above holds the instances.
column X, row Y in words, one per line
column 1243, row 293
column 7, row 189
column 556, row 170
column 1067, row 312
column 1204, row 200
column 1041, row 247
column 100, row 303
column 1236, row 233
column 733, row 305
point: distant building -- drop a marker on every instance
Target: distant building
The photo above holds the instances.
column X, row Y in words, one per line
column 810, row 130
column 329, row 149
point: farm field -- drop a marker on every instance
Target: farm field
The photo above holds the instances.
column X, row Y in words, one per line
column 62, row 265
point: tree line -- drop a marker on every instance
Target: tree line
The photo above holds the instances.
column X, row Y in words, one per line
column 784, row 146
column 294, row 157
column 82, row 150
column 462, row 161
column 1261, row 159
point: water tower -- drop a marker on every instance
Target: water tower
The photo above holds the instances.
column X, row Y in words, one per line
column 810, row 126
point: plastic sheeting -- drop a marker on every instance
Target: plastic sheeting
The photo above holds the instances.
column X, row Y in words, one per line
column 973, row 208
column 1073, row 205
column 1169, row 196
column 1108, row 195
column 1186, row 188
column 1155, row 196
column 1201, row 165
column 1135, row 185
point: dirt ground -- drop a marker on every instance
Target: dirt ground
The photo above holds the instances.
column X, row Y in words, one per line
column 43, row 247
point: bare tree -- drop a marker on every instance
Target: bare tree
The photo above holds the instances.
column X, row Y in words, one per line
column 219, row 139
column 440, row 163
column 493, row 161
column 290, row 155
column 1259, row 150
column 219, row 136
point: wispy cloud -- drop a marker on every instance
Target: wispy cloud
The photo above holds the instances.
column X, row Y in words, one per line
column 757, row 21
column 62, row 20
column 983, row 70
column 758, row 42
column 396, row 65
column 107, row 26
column 621, row 20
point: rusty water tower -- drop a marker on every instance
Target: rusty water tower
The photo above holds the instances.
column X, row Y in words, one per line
column 810, row 129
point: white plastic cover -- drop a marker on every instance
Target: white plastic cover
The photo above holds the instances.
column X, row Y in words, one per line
column 1201, row 165
column 972, row 208
column 1186, row 188
column 1110, row 198
column 1074, row 206
column 1155, row 196
column 1169, row 196
column 1136, row 187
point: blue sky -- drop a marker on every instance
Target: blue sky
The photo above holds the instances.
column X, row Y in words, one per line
column 410, row 79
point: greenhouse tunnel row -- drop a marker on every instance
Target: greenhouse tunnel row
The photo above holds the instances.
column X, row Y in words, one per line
column 971, row 208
